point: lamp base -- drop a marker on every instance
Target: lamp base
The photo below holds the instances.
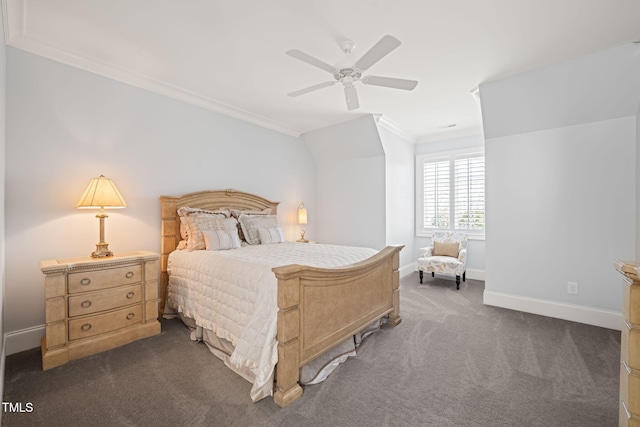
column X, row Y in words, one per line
column 102, row 250
column 302, row 239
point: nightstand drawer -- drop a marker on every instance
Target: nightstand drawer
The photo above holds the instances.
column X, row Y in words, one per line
column 101, row 323
column 99, row 301
column 85, row 281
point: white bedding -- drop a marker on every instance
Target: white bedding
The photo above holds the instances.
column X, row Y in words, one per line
column 234, row 294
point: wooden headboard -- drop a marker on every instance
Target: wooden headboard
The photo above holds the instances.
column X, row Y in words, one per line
column 212, row 199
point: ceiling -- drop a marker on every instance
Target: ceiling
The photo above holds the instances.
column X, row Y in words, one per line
column 229, row 56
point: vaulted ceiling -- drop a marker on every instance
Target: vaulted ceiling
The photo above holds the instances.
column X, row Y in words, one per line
column 230, row 56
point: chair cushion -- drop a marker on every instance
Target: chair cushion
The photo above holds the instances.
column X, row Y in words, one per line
column 441, row 265
column 446, row 249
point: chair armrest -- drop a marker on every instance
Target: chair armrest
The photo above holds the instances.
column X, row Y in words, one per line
column 462, row 256
column 425, row 252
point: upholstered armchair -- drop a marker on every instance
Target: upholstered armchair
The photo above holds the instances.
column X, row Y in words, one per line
column 446, row 255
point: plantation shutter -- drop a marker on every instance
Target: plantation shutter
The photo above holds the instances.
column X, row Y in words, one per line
column 436, row 201
column 469, row 193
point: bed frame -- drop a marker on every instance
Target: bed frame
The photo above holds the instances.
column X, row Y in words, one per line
column 318, row 308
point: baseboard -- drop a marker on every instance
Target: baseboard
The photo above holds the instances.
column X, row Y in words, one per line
column 407, row 269
column 24, row 339
column 475, row 274
column 575, row 313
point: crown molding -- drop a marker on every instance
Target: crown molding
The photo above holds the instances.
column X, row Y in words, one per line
column 14, row 12
column 391, row 126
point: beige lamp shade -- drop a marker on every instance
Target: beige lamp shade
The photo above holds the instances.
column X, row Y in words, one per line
column 101, row 193
column 302, row 214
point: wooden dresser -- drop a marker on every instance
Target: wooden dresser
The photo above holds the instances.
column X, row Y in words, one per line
column 96, row 304
column 630, row 347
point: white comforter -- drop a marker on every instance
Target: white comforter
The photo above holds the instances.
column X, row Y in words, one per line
column 234, row 294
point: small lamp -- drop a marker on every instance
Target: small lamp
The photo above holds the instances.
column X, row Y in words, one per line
column 302, row 220
column 101, row 193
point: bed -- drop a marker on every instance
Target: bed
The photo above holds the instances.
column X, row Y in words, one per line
column 317, row 308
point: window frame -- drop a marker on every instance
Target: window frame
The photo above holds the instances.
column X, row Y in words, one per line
column 451, row 157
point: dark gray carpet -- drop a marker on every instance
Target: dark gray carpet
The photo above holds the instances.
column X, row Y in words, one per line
column 451, row 362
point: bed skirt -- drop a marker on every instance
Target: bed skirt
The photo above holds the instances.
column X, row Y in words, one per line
column 313, row 373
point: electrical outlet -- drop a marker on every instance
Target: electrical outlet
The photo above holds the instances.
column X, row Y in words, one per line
column 572, row 288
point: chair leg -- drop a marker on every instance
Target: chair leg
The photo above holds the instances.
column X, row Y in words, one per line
column 421, row 276
column 457, row 282
column 464, row 276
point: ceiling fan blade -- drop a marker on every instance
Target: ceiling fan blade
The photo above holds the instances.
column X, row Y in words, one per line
column 377, row 52
column 311, row 88
column 311, row 60
column 390, row 82
column 351, row 96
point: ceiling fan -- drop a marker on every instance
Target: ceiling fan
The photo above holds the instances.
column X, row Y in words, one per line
column 349, row 75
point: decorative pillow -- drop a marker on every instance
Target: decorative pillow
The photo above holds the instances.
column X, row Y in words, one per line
column 446, row 249
column 218, row 240
column 251, row 223
column 270, row 235
column 237, row 212
column 198, row 224
column 186, row 211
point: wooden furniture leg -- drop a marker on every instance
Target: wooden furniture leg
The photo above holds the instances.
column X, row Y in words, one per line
column 288, row 368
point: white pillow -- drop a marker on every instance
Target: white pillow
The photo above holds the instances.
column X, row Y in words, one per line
column 237, row 212
column 270, row 235
column 251, row 223
column 187, row 211
column 218, row 240
column 198, row 224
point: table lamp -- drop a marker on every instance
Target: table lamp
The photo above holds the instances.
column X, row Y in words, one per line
column 302, row 220
column 100, row 194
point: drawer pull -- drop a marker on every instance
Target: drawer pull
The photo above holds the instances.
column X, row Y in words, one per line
column 86, row 327
column 86, row 281
column 85, row 304
column 129, row 274
column 130, row 295
column 130, row 316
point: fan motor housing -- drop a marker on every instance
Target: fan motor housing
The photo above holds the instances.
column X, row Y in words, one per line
column 346, row 72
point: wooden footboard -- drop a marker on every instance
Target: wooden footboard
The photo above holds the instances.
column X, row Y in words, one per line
column 320, row 308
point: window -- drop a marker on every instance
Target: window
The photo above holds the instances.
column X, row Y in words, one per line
column 450, row 192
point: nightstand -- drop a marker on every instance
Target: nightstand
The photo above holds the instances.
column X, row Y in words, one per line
column 96, row 304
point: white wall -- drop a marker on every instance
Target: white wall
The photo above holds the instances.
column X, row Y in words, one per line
column 350, row 181
column 559, row 210
column 400, row 194
column 560, row 149
column 587, row 89
column 66, row 126
column 475, row 247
